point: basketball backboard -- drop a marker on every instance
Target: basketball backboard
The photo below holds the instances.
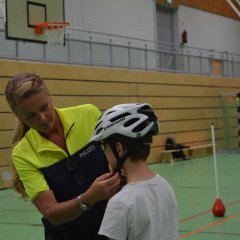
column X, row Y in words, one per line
column 23, row 15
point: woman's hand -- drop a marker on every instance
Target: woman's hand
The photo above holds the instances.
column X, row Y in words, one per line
column 102, row 188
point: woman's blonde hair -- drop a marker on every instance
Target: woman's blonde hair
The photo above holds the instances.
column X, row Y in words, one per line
column 20, row 87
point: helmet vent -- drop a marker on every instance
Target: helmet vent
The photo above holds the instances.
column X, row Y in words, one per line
column 98, row 124
column 148, row 112
column 99, row 130
column 119, row 116
column 130, row 122
column 109, row 112
column 141, row 126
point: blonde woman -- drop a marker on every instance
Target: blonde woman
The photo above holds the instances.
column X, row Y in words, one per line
column 45, row 147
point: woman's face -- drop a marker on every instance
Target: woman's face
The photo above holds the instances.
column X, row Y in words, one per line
column 37, row 112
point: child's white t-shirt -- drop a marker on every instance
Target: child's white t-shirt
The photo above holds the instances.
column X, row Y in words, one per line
column 144, row 210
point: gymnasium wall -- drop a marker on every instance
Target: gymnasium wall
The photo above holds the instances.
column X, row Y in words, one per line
column 220, row 7
column 185, row 104
column 133, row 18
column 207, row 30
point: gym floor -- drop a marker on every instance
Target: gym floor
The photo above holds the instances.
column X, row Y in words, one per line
column 195, row 187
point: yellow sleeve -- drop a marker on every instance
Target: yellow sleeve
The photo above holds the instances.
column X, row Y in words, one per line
column 32, row 178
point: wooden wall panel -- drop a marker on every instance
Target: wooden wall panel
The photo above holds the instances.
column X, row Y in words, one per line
column 102, row 102
column 181, row 102
column 91, row 88
column 7, row 121
column 185, row 104
column 161, row 103
column 196, row 138
column 6, row 139
column 3, row 104
column 171, row 127
column 3, row 82
column 189, row 91
column 193, row 137
column 185, row 114
column 5, row 156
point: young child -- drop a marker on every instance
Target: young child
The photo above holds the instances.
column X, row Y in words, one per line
column 145, row 208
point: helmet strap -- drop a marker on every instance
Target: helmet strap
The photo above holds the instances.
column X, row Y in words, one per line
column 120, row 160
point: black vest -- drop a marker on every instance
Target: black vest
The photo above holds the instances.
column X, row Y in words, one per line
column 67, row 179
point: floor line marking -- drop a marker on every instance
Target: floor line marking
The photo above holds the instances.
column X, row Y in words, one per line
column 28, row 224
column 206, row 212
column 214, row 232
column 209, row 225
column 194, row 216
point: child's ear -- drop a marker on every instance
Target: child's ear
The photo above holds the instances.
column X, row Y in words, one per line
column 121, row 149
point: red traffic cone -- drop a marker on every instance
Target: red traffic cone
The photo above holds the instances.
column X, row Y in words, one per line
column 218, row 208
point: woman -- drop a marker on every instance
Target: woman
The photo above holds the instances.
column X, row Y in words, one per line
column 46, row 145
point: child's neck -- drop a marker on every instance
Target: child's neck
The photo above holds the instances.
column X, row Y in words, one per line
column 137, row 171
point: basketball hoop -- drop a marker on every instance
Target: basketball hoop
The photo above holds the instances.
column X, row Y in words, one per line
column 53, row 30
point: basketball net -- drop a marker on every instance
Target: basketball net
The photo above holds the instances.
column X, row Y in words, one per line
column 54, row 31
column 55, row 37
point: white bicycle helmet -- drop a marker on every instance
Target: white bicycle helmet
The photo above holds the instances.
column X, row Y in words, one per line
column 132, row 120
